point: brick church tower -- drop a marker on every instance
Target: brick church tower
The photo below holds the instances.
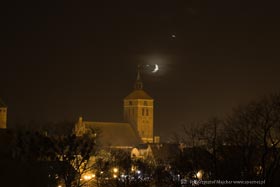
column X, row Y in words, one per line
column 139, row 111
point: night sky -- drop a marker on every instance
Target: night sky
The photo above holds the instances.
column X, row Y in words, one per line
column 65, row 59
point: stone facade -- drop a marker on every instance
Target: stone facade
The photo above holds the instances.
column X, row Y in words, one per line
column 139, row 113
column 3, row 115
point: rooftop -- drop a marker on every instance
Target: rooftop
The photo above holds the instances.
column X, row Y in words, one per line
column 138, row 94
column 115, row 134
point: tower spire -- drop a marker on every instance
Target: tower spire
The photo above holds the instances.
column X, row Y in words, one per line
column 138, row 84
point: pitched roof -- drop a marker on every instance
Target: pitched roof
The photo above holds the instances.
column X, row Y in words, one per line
column 138, row 94
column 2, row 104
column 114, row 134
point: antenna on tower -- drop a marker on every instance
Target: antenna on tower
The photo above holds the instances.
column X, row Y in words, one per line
column 138, row 72
column 138, row 84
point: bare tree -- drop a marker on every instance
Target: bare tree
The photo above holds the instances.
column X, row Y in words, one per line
column 73, row 156
column 192, row 136
column 255, row 129
column 210, row 132
column 67, row 155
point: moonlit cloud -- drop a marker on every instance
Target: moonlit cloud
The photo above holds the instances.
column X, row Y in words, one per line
column 150, row 62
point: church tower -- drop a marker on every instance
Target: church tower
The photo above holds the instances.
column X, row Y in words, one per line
column 3, row 115
column 139, row 111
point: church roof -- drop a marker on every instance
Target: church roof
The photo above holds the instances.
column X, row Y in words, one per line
column 114, row 134
column 138, row 94
column 2, row 104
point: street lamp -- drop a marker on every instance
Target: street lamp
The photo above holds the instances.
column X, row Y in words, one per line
column 87, row 178
column 199, row 174
column 115, row 170
column 133, row 168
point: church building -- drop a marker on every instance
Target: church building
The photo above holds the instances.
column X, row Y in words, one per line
column 138, row 108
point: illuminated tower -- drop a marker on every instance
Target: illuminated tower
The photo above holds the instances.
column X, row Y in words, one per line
column 3, row 115
column 139, row 111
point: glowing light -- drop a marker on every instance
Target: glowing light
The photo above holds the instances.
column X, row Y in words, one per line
column 115, row 170
column 88, row 176
column 138, row 171
column 115, row 176
column 133, row 168
column 199, row 174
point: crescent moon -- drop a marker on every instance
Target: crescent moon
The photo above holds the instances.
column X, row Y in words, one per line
column 156, row 69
